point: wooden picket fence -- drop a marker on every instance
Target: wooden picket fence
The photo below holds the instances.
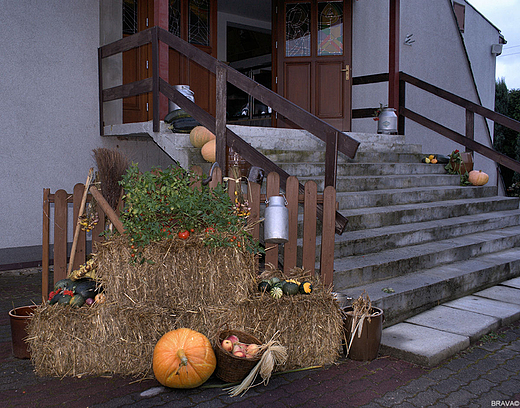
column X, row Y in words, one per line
column 64, row 202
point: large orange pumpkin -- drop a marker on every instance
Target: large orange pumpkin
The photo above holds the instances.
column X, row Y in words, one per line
column 183, row 358
column 200, row 135
column 478, row 178
column 209, row 151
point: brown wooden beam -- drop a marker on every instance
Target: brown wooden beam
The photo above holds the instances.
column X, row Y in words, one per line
column 131, row 89
column 127, row 43
column 461, row 139
column 393, row 56
column 487, row 113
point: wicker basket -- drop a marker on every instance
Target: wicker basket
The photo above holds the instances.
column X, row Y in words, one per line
column 231, row 368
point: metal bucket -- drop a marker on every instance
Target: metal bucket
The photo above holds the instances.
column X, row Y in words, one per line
column 387, row 122
column 276, row 223
column 186, row 91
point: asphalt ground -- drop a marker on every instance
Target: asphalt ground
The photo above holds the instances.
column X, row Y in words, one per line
column 487, row 374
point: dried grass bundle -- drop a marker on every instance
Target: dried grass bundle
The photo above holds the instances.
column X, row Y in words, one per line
column 111, row 164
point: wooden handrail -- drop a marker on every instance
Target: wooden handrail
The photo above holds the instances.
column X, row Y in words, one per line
column 471, row 108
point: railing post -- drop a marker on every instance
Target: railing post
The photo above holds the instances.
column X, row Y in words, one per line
column 220, row 120
column 331, row 159
column 393, row 54
column 100, row 82
column 402, row 103
column 470, row 126
column 155, row 80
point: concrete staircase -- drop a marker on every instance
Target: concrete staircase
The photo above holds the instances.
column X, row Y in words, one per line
column 415, row 237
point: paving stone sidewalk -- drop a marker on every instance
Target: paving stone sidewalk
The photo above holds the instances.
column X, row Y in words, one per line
column 485, row 375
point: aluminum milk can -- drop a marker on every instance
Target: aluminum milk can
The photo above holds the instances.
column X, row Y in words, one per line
column 276, row 222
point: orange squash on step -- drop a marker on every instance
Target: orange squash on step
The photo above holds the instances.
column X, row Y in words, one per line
column 478, row 177
column 200, row 135
column 209, row 151
column 183, row 358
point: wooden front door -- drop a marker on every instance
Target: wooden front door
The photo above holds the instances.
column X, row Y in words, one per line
column 137, row 63
column 313, row 57
column 194, row 21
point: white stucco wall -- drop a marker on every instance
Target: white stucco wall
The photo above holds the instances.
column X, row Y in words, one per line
column 50, row 117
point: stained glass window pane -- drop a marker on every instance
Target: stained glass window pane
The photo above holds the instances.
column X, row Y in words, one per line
column 174, row 23
column 298, row 30
column 330, row 28
column 198, row 22
column 130, row 17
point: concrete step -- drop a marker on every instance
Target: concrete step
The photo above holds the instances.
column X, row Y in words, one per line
column 362, row 156
column 352, row 203
column 375, row 240
column 390, row 182
column 439, row 333
column 359, row 270
column 301, row 168
column 405, row 296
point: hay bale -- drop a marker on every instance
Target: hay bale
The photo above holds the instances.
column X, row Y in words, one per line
column 310, row 326
column 177, row 273
column 97, row 340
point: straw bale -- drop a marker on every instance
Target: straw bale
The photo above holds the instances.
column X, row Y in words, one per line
column 97, row 340
column 310, row 326
column 176, row 273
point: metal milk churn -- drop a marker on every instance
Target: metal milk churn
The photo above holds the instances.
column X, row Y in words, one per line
column 387, row 122
column 276, row 222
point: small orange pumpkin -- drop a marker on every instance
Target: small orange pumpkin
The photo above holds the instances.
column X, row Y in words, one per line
column 183, row 358
column 200, row 135
column 478, row 177
column 209, row 151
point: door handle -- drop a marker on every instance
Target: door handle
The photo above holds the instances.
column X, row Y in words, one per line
column 347, row 72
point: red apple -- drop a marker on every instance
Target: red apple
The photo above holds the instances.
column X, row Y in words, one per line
column 227, row 345
column 252, row 350
column 233, row 339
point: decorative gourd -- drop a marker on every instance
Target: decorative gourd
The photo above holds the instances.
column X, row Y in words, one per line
column 290, row 288
column 478, row 177
column 264, row 286
column 200, row 135
column 209, row 151
column 183, row 358
column 276, row 292
column 305, row 287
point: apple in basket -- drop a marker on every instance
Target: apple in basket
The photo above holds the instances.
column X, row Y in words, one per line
column 239, row 350
column 233, row 339
column 227, row 345
column 252, row 350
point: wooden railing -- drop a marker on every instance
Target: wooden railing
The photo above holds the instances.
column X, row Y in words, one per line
column 64, row 203
column 336, row 141
column 471, row 109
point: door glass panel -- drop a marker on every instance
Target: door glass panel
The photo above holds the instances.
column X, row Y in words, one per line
column 330, row 28
column 174, row 23
column 198, row 22
column 130, row 17
column 298, row 30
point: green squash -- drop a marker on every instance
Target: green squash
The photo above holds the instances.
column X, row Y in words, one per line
column 77, row 301
column 65, row 299
column 64, row 284
column 290, row 288
column 264, row 286
column 273, row 281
